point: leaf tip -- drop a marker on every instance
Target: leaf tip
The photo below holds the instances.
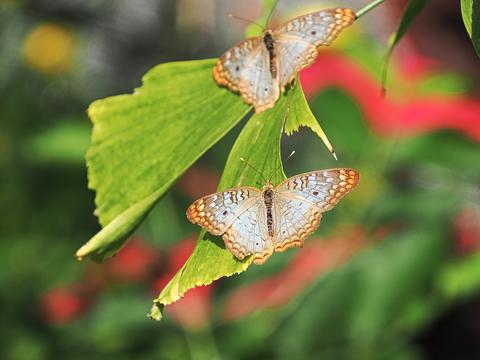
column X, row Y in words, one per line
column 156, row 311
column 82, row 252
column 334, row 154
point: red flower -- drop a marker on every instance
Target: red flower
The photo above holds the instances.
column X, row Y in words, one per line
column 466, row 232
column 411, row 114
column 309, row 262
column 61, row 305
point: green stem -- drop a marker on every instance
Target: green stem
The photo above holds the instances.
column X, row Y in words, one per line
column 368, row 8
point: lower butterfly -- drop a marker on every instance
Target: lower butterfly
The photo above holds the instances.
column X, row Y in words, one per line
column 259, row 222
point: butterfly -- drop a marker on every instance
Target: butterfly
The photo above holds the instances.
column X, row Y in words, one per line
column 259, row 68
column 258, row 222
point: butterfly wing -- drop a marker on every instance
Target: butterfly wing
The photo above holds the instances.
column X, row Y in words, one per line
column 300, row 201
column 298, row 39
column 233, row 62
column 246, row 68
column 217, row 212
column 294, row 221
column 248, row 234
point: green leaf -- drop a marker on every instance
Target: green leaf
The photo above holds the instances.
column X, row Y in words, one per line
column 143, row 142
column 301, row 115
column 471, row 19
column 259, row 143
column 414, row 8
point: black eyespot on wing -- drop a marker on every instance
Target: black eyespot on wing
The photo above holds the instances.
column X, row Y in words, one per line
column 315, row 193
column 225, row 213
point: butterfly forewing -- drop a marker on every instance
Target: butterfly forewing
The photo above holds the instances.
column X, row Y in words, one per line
column 229, row 67
column 218, row 211
column 322, row 189
column 248, row 235
column 298, row 39
column 246, row 68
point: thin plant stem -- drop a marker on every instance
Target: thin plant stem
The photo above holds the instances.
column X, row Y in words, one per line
column 368, row 8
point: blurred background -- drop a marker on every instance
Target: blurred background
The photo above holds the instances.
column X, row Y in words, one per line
column 394, row 270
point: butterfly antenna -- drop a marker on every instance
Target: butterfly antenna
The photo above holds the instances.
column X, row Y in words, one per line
column 269, row 17
column 230, row 15
column 253, row 168
column 281, row 164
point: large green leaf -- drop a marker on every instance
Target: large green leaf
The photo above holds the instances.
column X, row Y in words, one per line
column 414, row 7
column 471, row 19
column 259, row 142
column 143, row 142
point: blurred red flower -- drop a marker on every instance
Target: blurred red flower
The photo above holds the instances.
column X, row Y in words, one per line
column 61, row 305
column 316, row 257
column 134, row 262
column 412, row 114
column 466, row 231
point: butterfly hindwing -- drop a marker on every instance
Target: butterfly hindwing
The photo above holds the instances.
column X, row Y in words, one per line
column 257, row 86
column 298, row 39
column 216, row 212
column 294, row 221
column 248, row 234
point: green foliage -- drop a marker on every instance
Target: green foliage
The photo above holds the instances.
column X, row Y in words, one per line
column 471, row 19
column 362, row 300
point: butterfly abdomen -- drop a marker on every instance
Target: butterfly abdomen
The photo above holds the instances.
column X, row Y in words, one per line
column 268, row 198
column 270, row 45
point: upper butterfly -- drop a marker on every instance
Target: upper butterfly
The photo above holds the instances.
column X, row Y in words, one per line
column 260, row 67
column 258, row 222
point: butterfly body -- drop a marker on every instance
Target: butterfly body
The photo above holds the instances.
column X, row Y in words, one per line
column 259, row 222
column 260, row 68
column 270, row 45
